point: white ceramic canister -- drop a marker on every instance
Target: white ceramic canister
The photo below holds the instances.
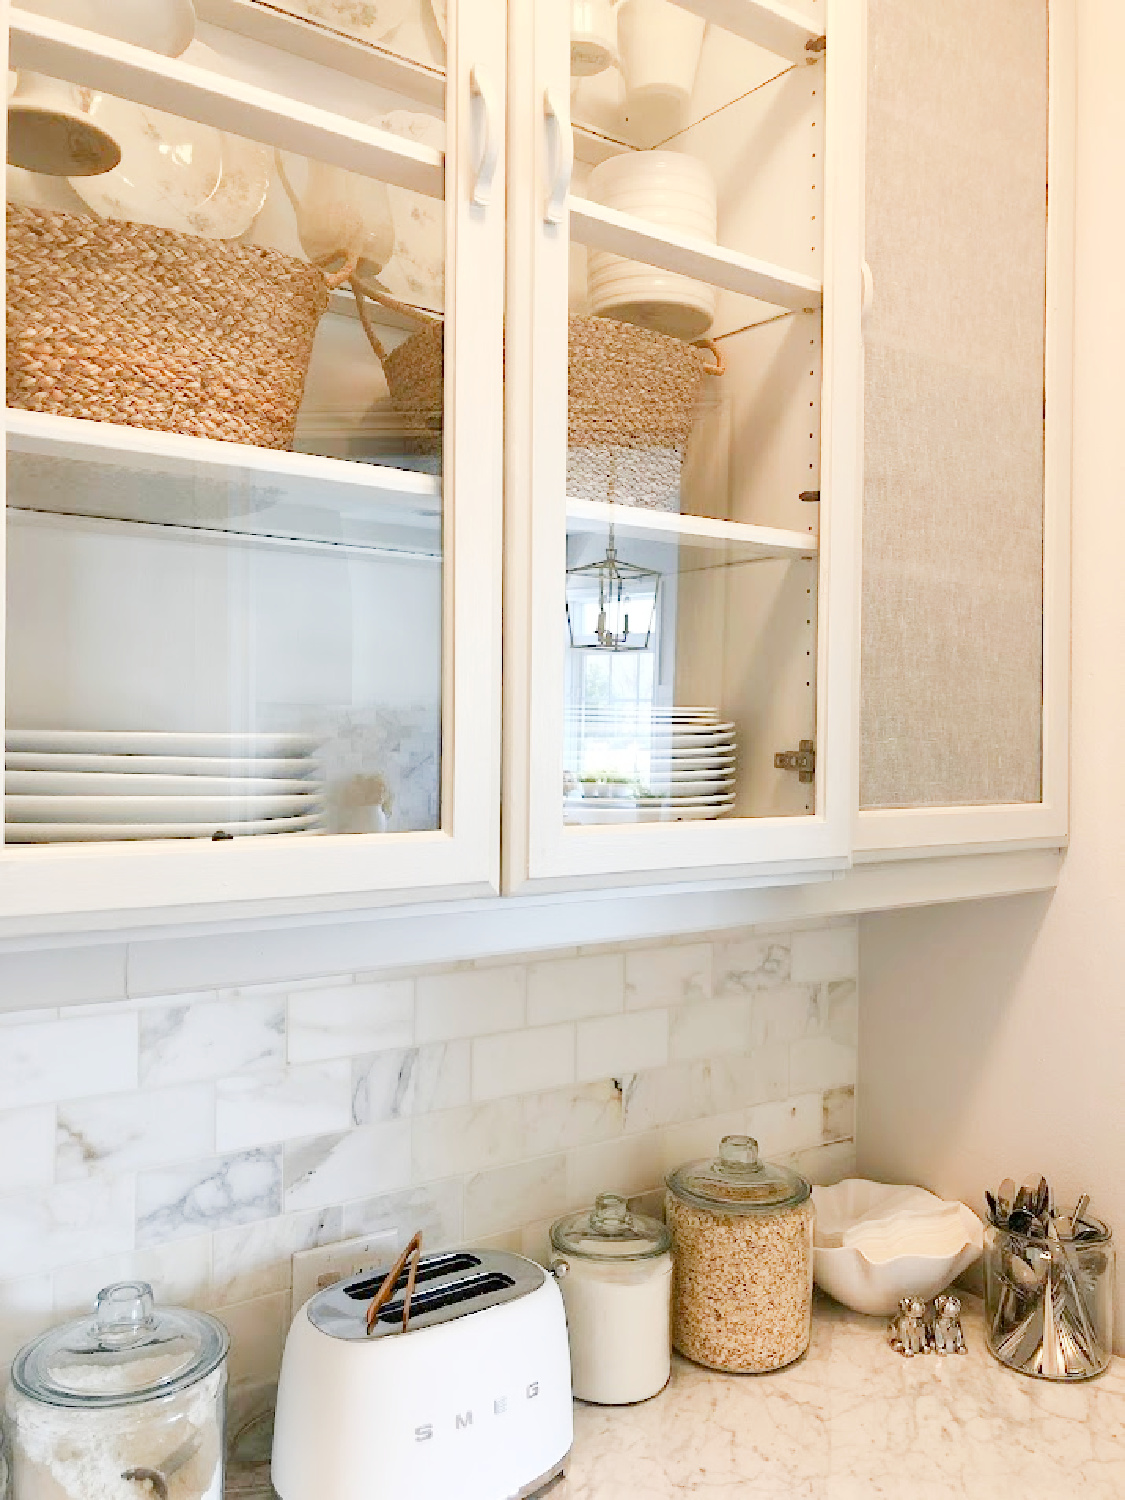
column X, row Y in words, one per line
column 615, row 1271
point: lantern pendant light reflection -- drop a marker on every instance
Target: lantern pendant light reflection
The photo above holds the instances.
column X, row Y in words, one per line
column 611, row 604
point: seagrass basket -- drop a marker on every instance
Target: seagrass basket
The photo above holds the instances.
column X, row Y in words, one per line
column 122, row 322
column 631, row 403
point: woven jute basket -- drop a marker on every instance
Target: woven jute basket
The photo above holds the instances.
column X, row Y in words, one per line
column 632, row 400
column 121, row 322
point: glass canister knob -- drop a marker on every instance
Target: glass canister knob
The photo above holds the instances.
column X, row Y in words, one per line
column 739, row 1152
column 124, row 1312
column 610, row 1214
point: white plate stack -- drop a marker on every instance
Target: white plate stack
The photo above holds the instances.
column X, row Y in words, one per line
column 680, row 765
column 672, row 190
column 64, row 786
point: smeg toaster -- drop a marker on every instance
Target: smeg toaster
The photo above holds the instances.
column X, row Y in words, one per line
column 470, row 1399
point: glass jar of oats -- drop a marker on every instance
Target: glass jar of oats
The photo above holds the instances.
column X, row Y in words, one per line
column 742, row 1235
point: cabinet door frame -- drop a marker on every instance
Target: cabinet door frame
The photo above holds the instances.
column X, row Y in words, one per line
column 538, row 852
column 895, row 832
column 47, row 888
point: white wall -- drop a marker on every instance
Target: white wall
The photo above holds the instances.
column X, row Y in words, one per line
column 992, row 1038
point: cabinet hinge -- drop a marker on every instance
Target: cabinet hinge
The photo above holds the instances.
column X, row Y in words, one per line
column 801, row 760
column 816, row 45
column 810, row 497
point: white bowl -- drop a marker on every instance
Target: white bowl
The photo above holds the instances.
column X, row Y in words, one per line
column 875, row 1243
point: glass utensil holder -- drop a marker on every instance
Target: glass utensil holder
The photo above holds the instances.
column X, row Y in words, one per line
column 1049, row 1300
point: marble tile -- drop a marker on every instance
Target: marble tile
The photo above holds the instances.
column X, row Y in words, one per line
column 523, row 1062
column 437, row 1209
column 657, row 977
column 660, row 1096
column 25, row 1311
column 176, row 1202
column 820, row 1062
column 711, row 1028
column 727, row 1083
column 823, row 1165
column 40, row 1231
column 411, row 1081
column 787, row 1125
column 128, row 1132
column 27, row 1148
column 574, row 1116
column 632, row 1165
column 570, row 989
column 749, row 964
column 257, row 1337
column 359, row 1163
column 345, row 1020
column 185, row 1043
column 614, row 1045
column 786, row 1014
column 511, row 1196
column 698, row 1140
column 823, row 953
column 533, row 1240
column 256, row 1260
column 840, row 1005
column 838, row 1114
column 38, row 1013
column 470, row 1002
column 254, row 1109
column 179, row 1273
column 456, row 1141
column 43, row 1062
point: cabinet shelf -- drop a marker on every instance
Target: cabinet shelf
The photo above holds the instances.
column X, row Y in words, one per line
column 68, row 52
column 189, row 483
column 777, row 28
column 737, row 540
column 604, row 228
column 317, row 42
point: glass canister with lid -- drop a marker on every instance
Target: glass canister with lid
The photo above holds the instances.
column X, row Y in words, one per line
column 742, row 1234
column 125, row 1405
column 614, row 1268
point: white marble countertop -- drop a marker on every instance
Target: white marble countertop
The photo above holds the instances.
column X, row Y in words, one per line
column 854, row 1420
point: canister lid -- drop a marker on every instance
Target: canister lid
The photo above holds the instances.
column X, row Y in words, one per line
column 737, row 1181
column 609, row 1231
column 128, row 1351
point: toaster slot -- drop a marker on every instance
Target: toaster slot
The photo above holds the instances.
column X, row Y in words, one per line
column 455, row 1292
column 429, row 1269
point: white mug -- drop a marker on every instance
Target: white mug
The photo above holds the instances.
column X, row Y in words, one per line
column 342, row 216
column 593, row 37
column 660, row 46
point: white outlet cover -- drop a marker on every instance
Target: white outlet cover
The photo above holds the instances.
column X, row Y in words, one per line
column 319, row 1267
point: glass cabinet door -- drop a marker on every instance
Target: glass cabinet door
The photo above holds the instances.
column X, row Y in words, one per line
column 692, row 256
column 245, row 467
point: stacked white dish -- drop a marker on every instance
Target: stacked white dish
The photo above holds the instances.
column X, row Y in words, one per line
column 70, row 786
column 663, row 765
column 676, row 192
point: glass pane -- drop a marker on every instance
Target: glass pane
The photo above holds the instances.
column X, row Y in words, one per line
column 954, row 407
column 210, row 640
column 694, row 399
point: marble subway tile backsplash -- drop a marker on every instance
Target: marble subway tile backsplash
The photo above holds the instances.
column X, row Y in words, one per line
column 199, row 1141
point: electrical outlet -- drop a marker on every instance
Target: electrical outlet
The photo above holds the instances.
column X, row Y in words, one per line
column 320, row 1267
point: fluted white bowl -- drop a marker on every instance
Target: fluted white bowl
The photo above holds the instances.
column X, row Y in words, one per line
column 875, row 1243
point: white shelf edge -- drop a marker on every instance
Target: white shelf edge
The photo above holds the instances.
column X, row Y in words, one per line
column 319, row 43
column 777, row 28
column 44, row 435
column 166, row 83
column 697, row 531
column 604, row 228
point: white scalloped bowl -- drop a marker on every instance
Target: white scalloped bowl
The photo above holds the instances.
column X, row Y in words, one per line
column 875, row 1243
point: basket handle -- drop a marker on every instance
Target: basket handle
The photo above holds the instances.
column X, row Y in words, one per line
column 720, row 365
column 412, row 1253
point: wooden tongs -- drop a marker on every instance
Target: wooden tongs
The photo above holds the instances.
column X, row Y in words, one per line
column 413, row 1254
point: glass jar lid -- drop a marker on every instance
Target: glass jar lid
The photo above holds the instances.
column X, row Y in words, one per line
column 128, row 1351
column 609, row 1231
column 737, row 1181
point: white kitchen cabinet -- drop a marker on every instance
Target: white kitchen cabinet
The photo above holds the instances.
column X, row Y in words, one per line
column 345, row 594
column 349, row 592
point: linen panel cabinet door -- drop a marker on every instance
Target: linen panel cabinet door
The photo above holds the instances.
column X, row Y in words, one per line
column 965, row 637
column 684, row 365
column 254, row 455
